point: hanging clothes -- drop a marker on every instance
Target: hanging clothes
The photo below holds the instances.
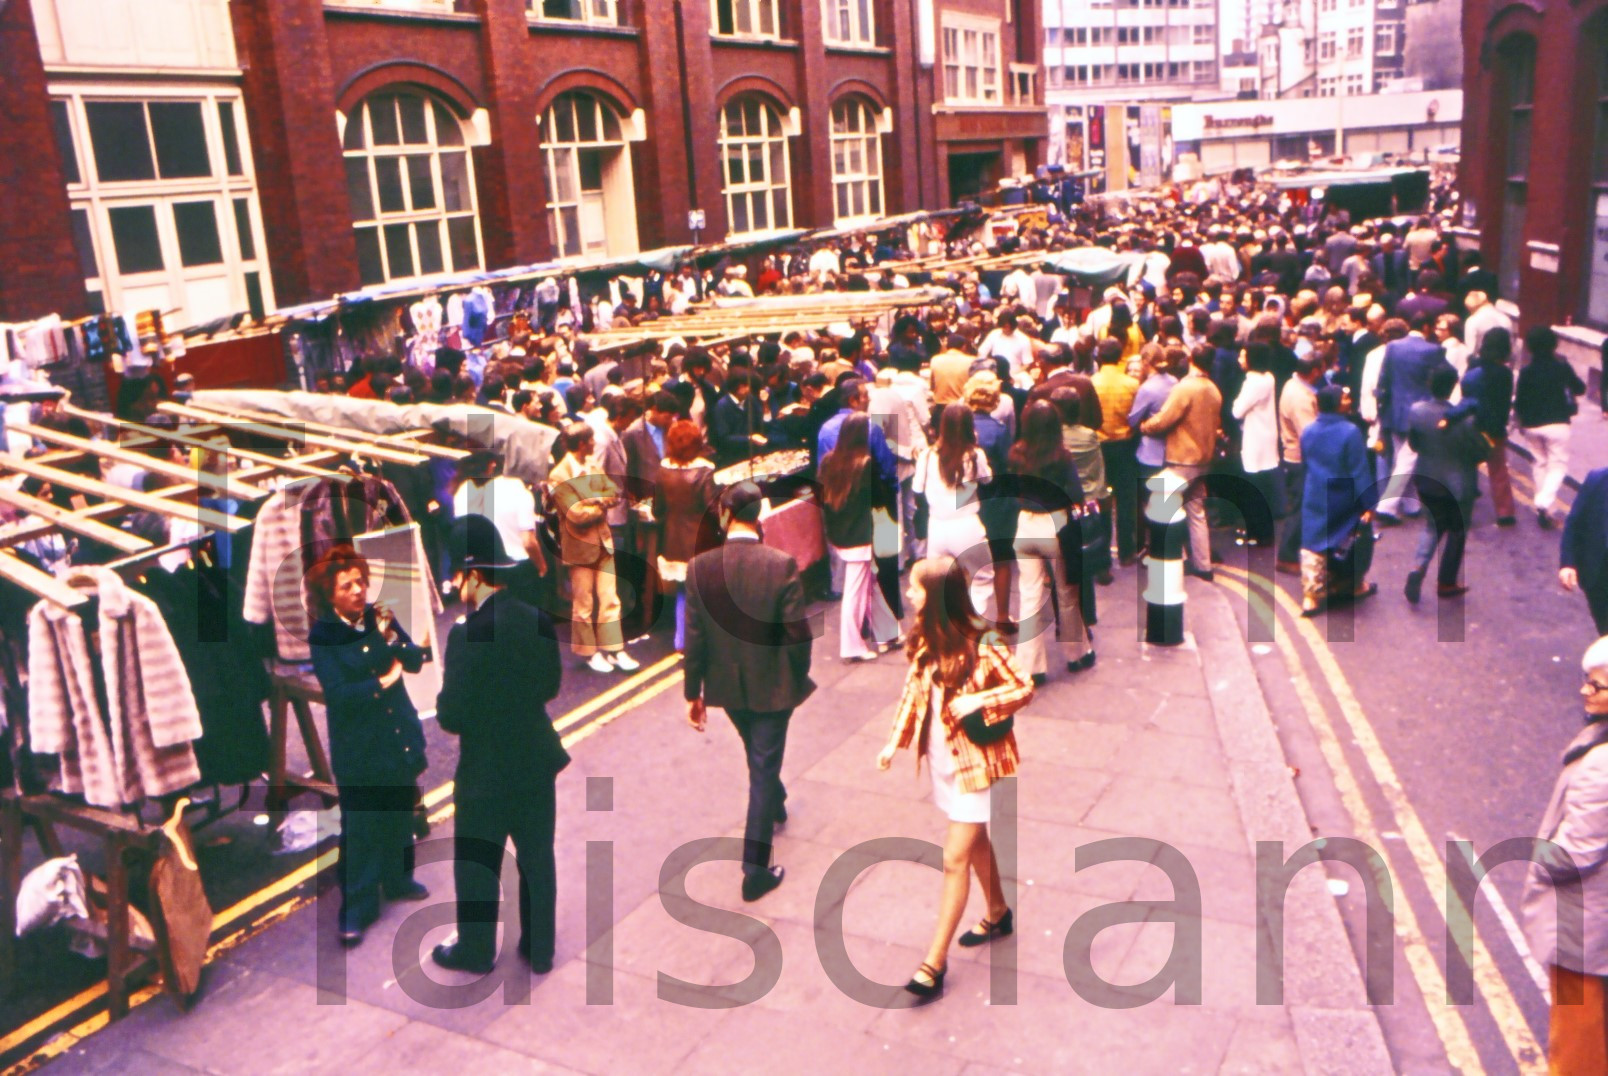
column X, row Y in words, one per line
column 274, row 573
column 296, row 526
column 478, row 310
column 121, row 716
column 202, row 608
column 427, row 316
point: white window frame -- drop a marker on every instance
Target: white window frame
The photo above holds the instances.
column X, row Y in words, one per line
column 587, row 12
column 96, row 199
column 850, row 23
column 1024, row 85
column 771, row 136
column 415, row 219
column 561, row 160
column 756, row 12
column 1386, row 38
column 1326, row 46
column 445, row 7
column 1356, row 42
column 972, row 54
column 856, row 162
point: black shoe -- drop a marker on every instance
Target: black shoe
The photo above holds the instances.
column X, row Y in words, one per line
column 781, row 815
column 1040, row 679
column 1414, row 587
column 1387, row 520
column 412, row 891
column 999, row 928
column 455, row 958
column 351, row 937
column 926, row 992
column 1506, row 521
column 1198, row 573
column 1085, row 662
column 1545, row 520
column 1105, row 579
column 757, row 885
column 540, row 967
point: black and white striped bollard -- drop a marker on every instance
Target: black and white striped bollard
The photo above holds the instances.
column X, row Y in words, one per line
column 1164, row 585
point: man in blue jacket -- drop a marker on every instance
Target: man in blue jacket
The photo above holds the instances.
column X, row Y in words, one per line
column 1403, row 382
column 1583, row 553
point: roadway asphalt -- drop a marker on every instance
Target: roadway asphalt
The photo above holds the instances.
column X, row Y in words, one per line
column 1416, row 726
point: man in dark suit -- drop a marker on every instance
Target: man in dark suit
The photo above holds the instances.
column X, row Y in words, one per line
column 1450, row 449
column 1425, row 299
column 748, row 652
column 501, row 670
column 733, row 433
column 643, row 442
column 1403, row 381
column 1356, row 341
column 1390, row 266
column 1583, row 553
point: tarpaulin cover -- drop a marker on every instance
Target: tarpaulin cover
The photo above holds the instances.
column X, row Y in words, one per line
column 1092, row 267
column 526, row 448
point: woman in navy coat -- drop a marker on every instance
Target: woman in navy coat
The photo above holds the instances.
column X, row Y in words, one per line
column 376, row 743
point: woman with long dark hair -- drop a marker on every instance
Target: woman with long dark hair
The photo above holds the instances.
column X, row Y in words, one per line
column 958, row 668
column 1045, row 481
column 850, row 492
column 948, row 475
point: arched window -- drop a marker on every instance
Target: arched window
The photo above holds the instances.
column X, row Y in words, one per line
column 856, row 162
column 1516, row 69
column 411, row 183
column 753, row 152
column 591, row 208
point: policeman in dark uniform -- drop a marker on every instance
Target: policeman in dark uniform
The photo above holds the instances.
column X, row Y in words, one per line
column 500, row 672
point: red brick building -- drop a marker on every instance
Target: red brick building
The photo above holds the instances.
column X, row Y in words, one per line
column 206, row 156
column 1535, row 153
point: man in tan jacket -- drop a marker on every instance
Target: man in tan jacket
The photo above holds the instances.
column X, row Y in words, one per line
column 950, row 369
column 1191, row 419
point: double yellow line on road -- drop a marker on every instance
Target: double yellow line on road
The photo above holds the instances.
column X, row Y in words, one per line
column 1451, row 1022
column 574, row 727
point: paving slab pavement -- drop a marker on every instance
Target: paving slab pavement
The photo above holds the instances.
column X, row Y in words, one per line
column 1172, row 752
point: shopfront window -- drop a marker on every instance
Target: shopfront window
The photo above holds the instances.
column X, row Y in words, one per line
column 591, row 206
column 1516, row 57
column 163, row 202
column 411, row 185
column 754, row 160
column 856, row 162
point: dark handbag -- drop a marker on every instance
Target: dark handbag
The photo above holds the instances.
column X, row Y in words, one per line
column 981, row 733
column 920, row 521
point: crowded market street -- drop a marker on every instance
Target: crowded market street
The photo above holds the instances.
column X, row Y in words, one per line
column 907, row 536
column 1149, row 745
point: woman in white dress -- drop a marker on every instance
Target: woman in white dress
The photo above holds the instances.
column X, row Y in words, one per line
column 957, row 667
column 948, row 475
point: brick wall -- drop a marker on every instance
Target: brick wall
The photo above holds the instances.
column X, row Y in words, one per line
column 38, row 264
